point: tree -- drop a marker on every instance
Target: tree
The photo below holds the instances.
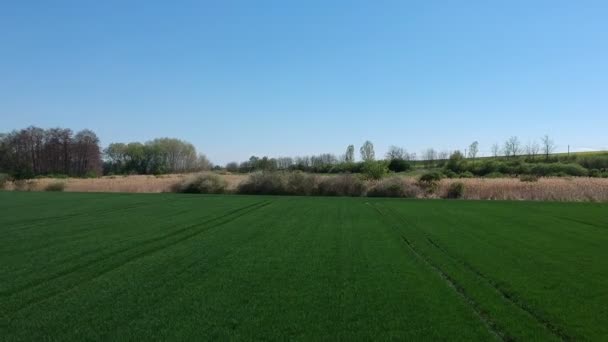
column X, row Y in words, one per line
column 429, row 155
column 367, row 151
column 473, row 150
column 495, row 150
column 532, row 149
column 395, row 152
column 455, row 161
column 548, row 146
column 512, row 147
column 87, row 154
column 232, row 167
column 349, row 157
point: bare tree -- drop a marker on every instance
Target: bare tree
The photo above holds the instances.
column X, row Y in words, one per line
column 548, row 146
column 532, row 149
column 495, row 150
column 349, row 157
column 367, row 151
column 429, row 155
column 473, row 150
column 512, row 147
column 395, row 152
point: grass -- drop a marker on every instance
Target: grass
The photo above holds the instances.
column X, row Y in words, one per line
column 191, row 267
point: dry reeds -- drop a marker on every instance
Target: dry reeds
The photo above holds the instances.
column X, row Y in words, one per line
column 545, row 189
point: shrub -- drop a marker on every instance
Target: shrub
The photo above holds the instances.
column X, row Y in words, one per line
column 207, row 183
column 494, row 175
column 56, row 186
column 450, row 174
column 300, row 183
column 430, row 177
column 557, row 169
column 342, row 185
column 374, row 170
column 23, row 185
column 394, row 187
column 264, row 183
column 595, row 173
column 466, row 174
column 429, row 181
column 528, row 178
column 455, row 190
column 455, row 162
column 4, row 178
column 399, row 165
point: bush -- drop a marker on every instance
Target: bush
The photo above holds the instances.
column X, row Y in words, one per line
column 595, row 173
column 56, row 186
column 202, row 184
column 394, row 187
column 429, row 181
column 557, row 169
column 528, row 178
column 23, row 185
column 494, row 175
column 301, row 184
column 455, row 190
column 450, row 174
column 264, row 183
column 374, row 170
column 455, row 163
column 430, row 177
column 342, row 185
column 466, row 174
column 399, row 165
column 4, row 178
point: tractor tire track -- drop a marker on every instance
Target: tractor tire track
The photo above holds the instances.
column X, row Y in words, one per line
column 481, row 314
column 233, row 214
column 113, row 266
column 514, row 299
column 509, row 297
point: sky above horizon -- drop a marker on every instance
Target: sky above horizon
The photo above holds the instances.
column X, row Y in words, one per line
column 288, row 78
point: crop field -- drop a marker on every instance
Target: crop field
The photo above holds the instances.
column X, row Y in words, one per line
column 77, row 266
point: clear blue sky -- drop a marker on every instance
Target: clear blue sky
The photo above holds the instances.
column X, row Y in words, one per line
column 287, row 78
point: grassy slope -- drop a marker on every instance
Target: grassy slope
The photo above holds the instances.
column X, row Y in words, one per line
column 76, row 266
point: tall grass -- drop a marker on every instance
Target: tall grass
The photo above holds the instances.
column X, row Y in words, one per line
column 305, row 184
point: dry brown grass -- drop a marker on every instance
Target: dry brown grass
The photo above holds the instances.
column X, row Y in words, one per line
column 135, row 183
column 547, row 189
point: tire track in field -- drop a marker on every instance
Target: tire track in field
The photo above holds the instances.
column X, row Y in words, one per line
column 209, row 268
column 481, row 314
column 113, row 266
column 510, row 297
column 569, row 219
column 217, row 221
column 37, row 222
column 81, row 235
column 559, row 332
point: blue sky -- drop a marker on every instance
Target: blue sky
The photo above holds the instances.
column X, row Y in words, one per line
column 286, row 78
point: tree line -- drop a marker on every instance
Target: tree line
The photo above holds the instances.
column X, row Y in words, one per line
column 397, row 160
column 158, row 156
column 35, row 151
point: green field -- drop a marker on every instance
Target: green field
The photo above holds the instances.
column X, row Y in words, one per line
column 195, row 267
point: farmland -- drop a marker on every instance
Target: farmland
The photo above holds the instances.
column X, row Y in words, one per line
column 76, row 266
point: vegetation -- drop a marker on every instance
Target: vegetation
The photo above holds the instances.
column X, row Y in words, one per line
column 56, row 186
column 35, row 151
column 183, row 267
column 206, row 183
column 159, row 156
column 455, row 190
